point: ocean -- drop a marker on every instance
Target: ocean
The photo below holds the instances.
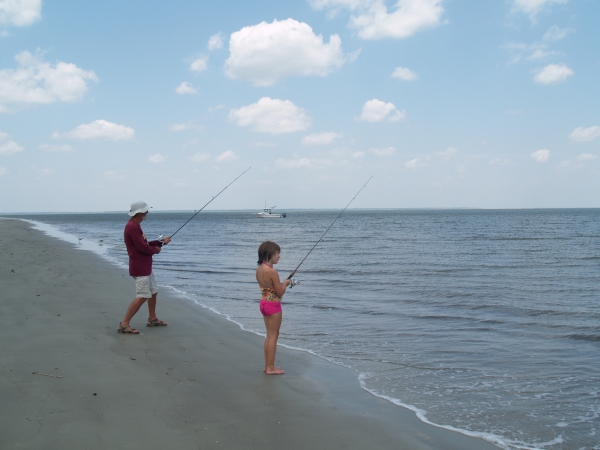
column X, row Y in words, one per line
column 486, row 322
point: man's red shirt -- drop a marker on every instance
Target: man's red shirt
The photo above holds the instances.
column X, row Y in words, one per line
column 140, row 251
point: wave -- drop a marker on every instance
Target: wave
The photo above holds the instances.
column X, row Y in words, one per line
column 584, row 337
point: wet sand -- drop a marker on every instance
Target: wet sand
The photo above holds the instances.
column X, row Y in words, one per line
column 69, row 380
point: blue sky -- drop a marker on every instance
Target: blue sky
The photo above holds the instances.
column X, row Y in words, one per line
column 447, row 103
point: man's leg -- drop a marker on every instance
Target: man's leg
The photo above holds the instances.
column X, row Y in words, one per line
column 134, row 307
column 152, row 307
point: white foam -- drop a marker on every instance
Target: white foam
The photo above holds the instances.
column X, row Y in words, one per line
column 80, row 244
column 490, row 437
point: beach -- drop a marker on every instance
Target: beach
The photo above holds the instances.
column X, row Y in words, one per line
column 71, row 381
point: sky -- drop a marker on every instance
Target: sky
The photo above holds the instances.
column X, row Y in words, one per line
column 446, row 103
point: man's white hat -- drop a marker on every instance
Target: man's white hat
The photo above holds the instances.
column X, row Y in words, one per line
column 138, row 207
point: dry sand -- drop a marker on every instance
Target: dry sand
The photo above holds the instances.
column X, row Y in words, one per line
column 196, row 384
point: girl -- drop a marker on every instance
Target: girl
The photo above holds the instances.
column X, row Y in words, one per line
column 270, row 304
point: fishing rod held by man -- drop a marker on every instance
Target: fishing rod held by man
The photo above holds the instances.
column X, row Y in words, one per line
column 215, row 196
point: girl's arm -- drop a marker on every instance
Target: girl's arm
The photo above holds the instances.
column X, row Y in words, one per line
column 279, row 288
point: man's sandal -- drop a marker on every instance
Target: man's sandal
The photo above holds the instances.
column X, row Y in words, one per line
column 127, row 329
column 156, row 323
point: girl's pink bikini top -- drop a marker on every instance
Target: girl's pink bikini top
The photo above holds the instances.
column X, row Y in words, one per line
column 268, row 294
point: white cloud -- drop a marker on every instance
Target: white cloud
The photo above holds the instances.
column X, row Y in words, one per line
column 334, row 158
column 226, row 157
column 353, row 56
column 416, row 163
column 555, row 33
column 265, row 144
column 98, row 129
column 3, row 171
column 185, row 88
column 409, row 17
column 157, row 158
column 342, row 154
column 552, row 73
column 200, row 157
column 581, row 134
column 35, row 81
column 266, row 52
column 186, row 126
column 501, row 162
column 321, row 138
column 42, row 170
column 56, row 148
column 373, row 21
column 404, row 74
column 215, row 42
column 533, row 7
column 216, row 108
column 3, row 135
column 383, row 151
column 349, row 4
column 10, row 148
column 450, row 152
column 20, row 12
column 295, row 163
column 541, row 155
column 272, row 116
column 111, row 175
column 375, row 111
column 542, row 54
column 532, row 52
column 199, row 64
column 586, row 157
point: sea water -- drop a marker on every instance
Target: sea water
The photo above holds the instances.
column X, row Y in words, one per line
column 482, row 321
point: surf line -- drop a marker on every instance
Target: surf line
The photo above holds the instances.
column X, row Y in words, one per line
column 215, row 196
column 323, row 235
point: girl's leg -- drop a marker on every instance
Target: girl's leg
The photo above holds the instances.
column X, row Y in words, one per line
column 272, row 323
column 265, row 346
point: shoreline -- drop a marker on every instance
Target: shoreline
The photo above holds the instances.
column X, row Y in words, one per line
column 196, row 383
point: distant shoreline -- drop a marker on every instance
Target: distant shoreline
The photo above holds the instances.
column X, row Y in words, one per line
column 191, row 211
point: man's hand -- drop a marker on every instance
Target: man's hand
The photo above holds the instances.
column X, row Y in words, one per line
column 167, row 240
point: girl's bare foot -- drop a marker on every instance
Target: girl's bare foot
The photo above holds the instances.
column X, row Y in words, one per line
column 274, row 371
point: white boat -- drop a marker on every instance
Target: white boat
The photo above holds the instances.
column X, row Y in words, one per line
column 268, row 214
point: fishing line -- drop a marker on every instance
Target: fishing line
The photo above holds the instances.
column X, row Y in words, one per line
column 208, row 203
column 321, row 238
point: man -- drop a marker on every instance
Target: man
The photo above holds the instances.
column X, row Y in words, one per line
column 140, row 268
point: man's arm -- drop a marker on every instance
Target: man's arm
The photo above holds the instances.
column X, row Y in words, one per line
column 141, row 245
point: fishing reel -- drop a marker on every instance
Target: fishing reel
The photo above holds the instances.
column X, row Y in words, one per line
column 160, row 238
column 294, row 282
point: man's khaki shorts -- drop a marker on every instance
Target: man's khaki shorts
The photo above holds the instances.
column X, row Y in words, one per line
column 145, row 287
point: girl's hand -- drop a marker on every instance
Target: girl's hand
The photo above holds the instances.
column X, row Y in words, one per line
column 286, row 283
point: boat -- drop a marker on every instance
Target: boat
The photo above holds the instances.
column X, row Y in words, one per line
column 268, row 214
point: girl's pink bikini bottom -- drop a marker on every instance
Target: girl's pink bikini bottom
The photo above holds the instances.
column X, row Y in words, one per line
column 268, row 308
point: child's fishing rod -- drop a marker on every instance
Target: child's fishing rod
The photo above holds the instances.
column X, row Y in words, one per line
column 321, row 238
column 208, row 202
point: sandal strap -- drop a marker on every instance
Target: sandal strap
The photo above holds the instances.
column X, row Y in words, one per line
column 127, row 329
column 154, row 321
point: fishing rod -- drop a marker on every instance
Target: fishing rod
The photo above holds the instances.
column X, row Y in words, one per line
column 208, row 203
column 321, row 238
